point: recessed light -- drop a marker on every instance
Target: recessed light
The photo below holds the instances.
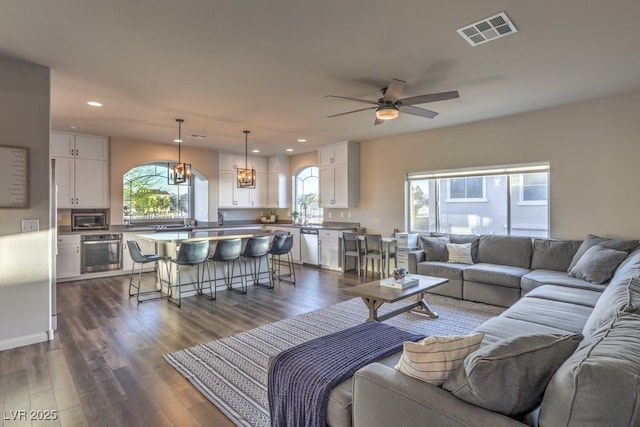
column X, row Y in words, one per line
column 289, row 149
column 302, row 140
column 75, row 127
column 177, row 140
column 94, row 104
column 255, row 151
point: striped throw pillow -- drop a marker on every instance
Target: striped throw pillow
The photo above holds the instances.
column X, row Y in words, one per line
column 434, row 358
column 460, row 253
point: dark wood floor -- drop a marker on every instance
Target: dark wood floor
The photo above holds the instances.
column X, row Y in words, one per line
column 105, row 366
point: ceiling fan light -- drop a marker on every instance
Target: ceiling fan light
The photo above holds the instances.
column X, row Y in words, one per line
column 387, row 113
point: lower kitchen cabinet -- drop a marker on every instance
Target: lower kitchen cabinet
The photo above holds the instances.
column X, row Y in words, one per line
column 68, row 257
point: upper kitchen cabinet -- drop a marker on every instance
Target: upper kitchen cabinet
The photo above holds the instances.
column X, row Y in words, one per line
column 82, row 170
column 338, row 175
column 277, row 181
column 229, row 195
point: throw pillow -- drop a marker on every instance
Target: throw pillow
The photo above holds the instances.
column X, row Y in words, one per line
column 510, row 376
column 459, row 253
column 435, row 248
column 434, row 358
column 621, row 245
column 597, row 264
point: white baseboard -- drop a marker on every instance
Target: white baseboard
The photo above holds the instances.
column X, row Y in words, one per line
column 25, row 340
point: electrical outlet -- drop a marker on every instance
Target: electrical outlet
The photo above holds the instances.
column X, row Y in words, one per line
column 30, row 225
column 329, row 215
column 348, row 214
column 341, row 214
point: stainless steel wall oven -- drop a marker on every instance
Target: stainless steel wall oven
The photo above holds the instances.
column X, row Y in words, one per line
column 100, row 252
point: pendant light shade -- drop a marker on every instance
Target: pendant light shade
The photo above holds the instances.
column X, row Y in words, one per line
column 179, row 173
column 246, row 176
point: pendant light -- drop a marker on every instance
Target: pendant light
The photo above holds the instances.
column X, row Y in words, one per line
column 246, row 176
column 179, row 173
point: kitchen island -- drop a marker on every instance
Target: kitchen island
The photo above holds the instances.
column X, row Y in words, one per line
column 167, row 245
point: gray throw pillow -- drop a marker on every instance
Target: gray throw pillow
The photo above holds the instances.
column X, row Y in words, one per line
column 591, row 240
column 510, row 376
column 597, row 264
column 550, row 254
column 435, row 248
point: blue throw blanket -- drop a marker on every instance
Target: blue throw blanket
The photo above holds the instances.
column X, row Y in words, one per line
column 301, row 378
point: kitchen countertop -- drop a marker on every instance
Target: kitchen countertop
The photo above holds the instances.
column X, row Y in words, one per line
column 209, row 226
column 193, row 236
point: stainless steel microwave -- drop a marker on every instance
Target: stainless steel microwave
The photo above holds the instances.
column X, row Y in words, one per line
column 89, row 220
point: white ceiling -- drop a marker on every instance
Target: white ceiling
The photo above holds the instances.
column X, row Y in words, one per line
column 266, row 65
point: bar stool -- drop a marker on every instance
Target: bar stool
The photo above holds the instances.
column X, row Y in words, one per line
column 373, row 251
column 351, row 248
column 139, row 258
column 191, row 254
column 257, row 248
column 281, row 245
column 228, row 252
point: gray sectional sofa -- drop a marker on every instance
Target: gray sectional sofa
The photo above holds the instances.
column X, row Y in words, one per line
column 597, row 385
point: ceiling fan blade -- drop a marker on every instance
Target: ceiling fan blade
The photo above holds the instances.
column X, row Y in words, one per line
column 432, row 97
column 349, row 112
column 393, row 91
column 377, row 121
column 409, row 109
column 366, row 101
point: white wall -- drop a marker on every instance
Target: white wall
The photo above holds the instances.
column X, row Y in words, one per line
column 593, row 149
column 25, row 259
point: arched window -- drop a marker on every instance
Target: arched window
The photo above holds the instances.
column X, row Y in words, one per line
column 147, row 196
column 305, row 195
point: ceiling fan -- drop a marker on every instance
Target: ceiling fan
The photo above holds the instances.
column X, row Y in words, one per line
column 389, row 106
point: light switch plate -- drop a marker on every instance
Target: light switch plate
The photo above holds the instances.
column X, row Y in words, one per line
column 30, row 225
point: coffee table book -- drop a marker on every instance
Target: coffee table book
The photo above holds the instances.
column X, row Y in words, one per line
column 404, row 283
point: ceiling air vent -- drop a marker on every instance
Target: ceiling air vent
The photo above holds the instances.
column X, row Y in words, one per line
column 488, row 29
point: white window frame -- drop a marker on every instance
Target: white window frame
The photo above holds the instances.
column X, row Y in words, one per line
column 482, row 199
column 523, row 202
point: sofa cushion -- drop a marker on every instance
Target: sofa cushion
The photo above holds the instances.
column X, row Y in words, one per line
column 510, row 376
column 628, row 268
column 500, row 328
column 591, row 240
column 597, row 264
column 585, row 297
column 492, row 274
column 537, row 278
column 571, row 317
column 599, row 384
column 446, row 270
column 506, row 250
column 433, row 359
column 549, row 254
column 435, row 248
column 459, row 253
column 616, row 297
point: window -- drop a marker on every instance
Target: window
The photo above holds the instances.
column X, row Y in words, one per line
column 147, row 197
column 534, row 188
column 514, row 201
column 466, row 189
column 305, row 195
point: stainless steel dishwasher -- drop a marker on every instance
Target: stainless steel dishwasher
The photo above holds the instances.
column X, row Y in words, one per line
column 309, row 246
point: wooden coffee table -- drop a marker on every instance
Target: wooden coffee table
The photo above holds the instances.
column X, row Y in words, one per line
column 375, row 295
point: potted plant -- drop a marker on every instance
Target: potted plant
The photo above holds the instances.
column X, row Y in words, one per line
column 295, row 215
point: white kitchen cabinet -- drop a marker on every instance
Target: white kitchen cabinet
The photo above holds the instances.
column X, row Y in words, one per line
column 277, row 181
column 68, row 256
column 338, row 175
column 329, row 246
column 229, row 195
column 82, row 172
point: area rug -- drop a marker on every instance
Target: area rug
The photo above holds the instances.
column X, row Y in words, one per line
column 232, row 372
